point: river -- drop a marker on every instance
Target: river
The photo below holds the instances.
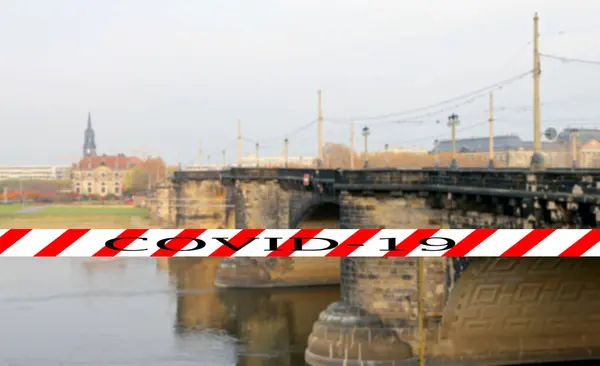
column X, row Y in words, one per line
column 127, row 312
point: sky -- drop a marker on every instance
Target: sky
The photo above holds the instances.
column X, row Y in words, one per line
column 163, row 76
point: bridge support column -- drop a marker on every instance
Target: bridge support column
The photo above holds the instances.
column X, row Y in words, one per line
column 377, row 317
column 376, row 320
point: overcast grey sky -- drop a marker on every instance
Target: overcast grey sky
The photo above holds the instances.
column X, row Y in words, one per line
column 162, row 75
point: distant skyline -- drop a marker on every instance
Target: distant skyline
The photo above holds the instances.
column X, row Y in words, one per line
column 161, row 76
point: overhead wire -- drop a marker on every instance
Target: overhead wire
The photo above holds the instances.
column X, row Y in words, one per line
column 447, row 101
column 569, row 59
column 416, row 119
column 285, row 135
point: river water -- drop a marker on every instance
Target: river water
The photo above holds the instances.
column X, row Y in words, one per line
column 127, row 312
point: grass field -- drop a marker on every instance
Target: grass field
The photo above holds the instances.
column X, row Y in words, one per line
column 67, row 216
column 11, row 209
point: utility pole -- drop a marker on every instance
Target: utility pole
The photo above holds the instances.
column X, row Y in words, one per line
column 366, row 133
column 200, row 155
column 320, row 126
column 224, row 152
column 437, row 153
column 387, row 157
column 492, row 158
column 285, row 150
column 257, row 158
column 21, row 190
column 208, row 160
column 157, row 171
column 239, row 144
column 420, row 285
column 537, row 159
column 352, row 152
column 574, row 148
column 453, row 122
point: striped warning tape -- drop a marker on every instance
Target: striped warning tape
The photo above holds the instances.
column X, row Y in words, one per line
column 300, row 243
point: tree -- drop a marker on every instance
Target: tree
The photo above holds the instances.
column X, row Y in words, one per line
column 136, row 180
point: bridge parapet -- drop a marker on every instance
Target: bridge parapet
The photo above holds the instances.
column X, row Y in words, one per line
column 577, row 184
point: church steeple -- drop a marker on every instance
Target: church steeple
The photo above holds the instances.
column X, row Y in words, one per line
column 89, row 142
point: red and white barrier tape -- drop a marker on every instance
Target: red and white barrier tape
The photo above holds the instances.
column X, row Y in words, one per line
column 299, row 243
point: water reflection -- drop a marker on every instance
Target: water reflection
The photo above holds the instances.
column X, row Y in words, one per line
column 263, row 327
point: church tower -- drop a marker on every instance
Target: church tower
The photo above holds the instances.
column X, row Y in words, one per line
column 89, row 142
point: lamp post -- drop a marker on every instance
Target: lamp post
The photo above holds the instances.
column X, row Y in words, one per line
column 366, row 132
column 257, row 158
column 453, row 122
column 491, row 125
column 285, row 151
column 387, row 156
column 437, row 153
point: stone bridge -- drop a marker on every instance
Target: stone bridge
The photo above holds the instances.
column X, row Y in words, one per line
column 487, row 310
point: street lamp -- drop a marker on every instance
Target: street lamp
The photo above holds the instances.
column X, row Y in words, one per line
column 257, row 158
column 453, row 122
column 366, row 132
column 286, row 151
column 387, row 156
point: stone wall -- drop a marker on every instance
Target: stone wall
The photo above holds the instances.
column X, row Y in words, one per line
column 260, row 204
column 204, row 203
column 161, row 204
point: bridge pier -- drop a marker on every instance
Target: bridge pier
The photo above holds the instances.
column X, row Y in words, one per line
column 375, row 320
column 377, row 317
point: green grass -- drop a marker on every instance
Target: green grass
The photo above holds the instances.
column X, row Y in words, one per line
column 74, row 216
column 72, row 221
column 12, row 208
column 86, row 210
column 92, row 210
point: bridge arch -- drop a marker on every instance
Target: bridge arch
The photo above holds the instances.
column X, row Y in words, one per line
column 316, row 212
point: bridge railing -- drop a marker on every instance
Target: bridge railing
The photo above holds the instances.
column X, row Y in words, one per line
column 563, row 181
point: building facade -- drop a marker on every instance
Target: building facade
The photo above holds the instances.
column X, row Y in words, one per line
column 35, row 172
column 101, row 175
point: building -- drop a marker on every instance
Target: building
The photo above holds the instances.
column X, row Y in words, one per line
column 35, row 172
column 514, row 152
column 276, row 161
column 514, row 142
column 482, row 144
column 101, row 175
column 406, row 150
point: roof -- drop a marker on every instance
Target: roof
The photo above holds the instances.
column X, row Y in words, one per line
column 479, row 144
column 591, row 145
column 584, row 135
column 111, row 161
